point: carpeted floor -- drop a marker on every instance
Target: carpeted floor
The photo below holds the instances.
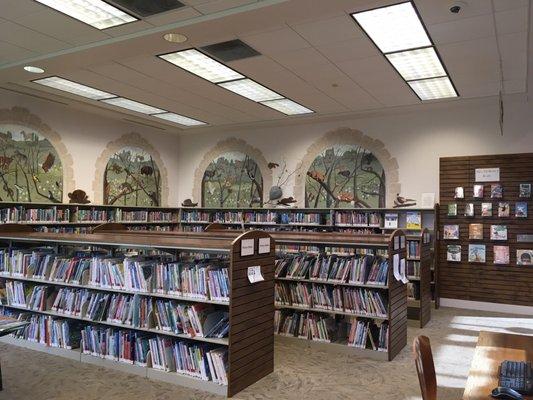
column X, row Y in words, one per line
column 309, row 375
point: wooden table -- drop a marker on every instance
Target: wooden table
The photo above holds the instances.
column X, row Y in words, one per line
column 493, row 348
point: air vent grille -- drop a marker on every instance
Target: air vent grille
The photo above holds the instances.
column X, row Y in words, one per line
column 146, row 8
column 231, row 50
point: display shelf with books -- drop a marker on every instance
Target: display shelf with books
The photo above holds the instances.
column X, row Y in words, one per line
column 419, row 275
column 192, row 312
column 486, row 251
column 80, row 218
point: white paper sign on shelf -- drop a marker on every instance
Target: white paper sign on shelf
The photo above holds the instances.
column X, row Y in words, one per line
column 264, row 245
column 247, row 247
column 403, row 271
column 396, row 267
column 487, row 174
column 255, row 275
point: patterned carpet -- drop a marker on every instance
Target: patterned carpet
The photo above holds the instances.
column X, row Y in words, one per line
column 299, row 374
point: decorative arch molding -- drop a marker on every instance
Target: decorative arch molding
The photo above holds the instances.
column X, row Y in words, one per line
column 22, row 116
column 132, row 139
column 225, row 146
column 349, row 136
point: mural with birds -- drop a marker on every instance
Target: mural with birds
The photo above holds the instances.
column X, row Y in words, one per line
column 345, row 176
column 132, row 178
column 30, row 168
column 233, row 180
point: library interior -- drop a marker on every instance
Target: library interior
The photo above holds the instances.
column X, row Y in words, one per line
column 266, row 199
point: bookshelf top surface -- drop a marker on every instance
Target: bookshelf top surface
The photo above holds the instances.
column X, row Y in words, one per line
column 200, row 243
column 5, row 204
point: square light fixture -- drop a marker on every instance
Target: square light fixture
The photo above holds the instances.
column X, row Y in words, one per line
column 417, row 64
column 393, row 28
column 134, row 106
column 65, row 85
column 433, row 88
column 251, row 90
column 201, row 65
column 287, row 106
column 96, row 13
column 179, row 119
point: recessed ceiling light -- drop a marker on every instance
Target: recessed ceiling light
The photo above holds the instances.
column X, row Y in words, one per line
column 175, row 37
column 33, row 70
column 96, row 13
column 417, row 64
column 179, row 119
column 251, row 90
column 393, row 28
column 199, row 64
column 434, row 88
column 75, row 88
column 134, row 106
column 287, row 106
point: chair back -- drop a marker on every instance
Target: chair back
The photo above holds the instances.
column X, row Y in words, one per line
column 425, row 367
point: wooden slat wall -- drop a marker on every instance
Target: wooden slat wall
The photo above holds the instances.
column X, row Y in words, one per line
column 507, row 284
column 425, row 279
column 251, row 337
column 397, row 302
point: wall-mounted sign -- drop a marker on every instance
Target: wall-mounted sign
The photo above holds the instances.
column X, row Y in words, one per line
column 487, row 174
column 247, row 247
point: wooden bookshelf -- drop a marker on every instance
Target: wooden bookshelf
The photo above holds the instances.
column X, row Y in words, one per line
column 486, row 281
column 81, row 218
column 395, row 290
column 250, row 341
column 419, row 308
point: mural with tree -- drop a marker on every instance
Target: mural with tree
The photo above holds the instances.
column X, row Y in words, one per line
column 132, row 178
column 30, row 168
column 345, row 176
column 232, row 180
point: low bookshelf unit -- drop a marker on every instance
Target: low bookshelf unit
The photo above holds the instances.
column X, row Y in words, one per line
column 419, row 275
column 179, row 309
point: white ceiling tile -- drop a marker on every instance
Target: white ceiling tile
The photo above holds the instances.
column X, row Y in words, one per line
column 299, row 58
column 331, row 30
column 502, row 5
column 13, row 9
column 512, row 21
column 29, row 39
column 462, row 29
column 513, row 49
column 276, row 41
column 435, row 12
column 347, row 50
column 514, row 86
column 10, row 53
column 169, row 17
column 470, row 90
column 132, row 27
column 221, row 5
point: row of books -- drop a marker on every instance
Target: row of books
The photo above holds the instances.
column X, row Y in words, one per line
column 144, row 216
column 360, row 301
column 358, row 269
column 300, row 218
column 366, row 334
column 24, row 214
column 52, row 332
column 413, row 268
column 202, row 279
column 203, row 320
column 357, row 218
column 413, row 249
column 413, row 290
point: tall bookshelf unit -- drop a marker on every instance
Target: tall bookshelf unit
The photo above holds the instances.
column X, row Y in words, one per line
column 419, row 275
column 81, row 218
column 393, row 244
column 250, row 342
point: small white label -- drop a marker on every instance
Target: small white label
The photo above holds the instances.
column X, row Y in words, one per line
column 396, row 242
column 255, row 275
column 487, row 174
column 402, row 242
column 264, row 245
column 247, row 247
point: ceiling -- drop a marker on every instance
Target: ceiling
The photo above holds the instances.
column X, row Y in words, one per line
column 311, row 52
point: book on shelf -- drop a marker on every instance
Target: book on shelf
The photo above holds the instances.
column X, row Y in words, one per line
column 486, row 209
column 478, row 191
column 524, row 190
column 413, row 249
column 476, row 253
column 391, row 221
column 496, row 191
column 475, row 231
column 451, row 231
column 413, row 220
column 521, row 209
column 453, row 252
column 459, row 193
column 498, row 232
column 469, row 210
column 501, row 254
column 452, row 209
column 503, row 209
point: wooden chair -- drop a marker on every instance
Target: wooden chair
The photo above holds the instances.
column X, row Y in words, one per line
column 425, row 367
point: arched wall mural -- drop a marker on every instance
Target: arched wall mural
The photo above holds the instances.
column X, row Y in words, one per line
column 346, row 168
column 249, row 176
column 130, row 172
column 34, row 163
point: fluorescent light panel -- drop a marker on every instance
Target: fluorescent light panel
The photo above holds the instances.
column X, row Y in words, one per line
column 65, row 85
column 434, row 88
column 394, row 28
column 179, row 119
column 251, row 90
column 287, row 106
column 134, row 106
column 96, row 13
column 417, row 64
column 201, row 65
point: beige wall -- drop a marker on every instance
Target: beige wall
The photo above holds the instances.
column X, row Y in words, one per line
column 86, row 135
column 415, row 139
